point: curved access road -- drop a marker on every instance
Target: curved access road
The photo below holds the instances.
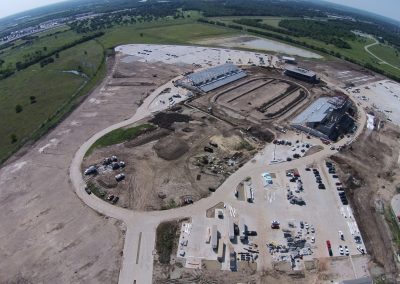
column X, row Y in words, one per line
column 137, row 263
column 380, row 59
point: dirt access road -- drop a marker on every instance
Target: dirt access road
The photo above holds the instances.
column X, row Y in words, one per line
column 47, row 234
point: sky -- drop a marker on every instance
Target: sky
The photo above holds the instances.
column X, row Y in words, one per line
column 388, row 8
column 11, row 7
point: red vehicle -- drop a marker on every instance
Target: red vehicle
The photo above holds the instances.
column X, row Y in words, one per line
column 326, row 142
column 328, row 244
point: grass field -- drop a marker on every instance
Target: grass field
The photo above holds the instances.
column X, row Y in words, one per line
column 387, row 53
column 52, row 88
column 120, row 135
column 50, row 42
column 173, row 32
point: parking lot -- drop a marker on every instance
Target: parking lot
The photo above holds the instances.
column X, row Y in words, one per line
column 284, row 231
column 382, row 97
column 193, row 55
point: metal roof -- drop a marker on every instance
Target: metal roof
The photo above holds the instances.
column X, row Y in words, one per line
column 221, row 82
column 211, row 74
column 316, row 112
column 300, row 70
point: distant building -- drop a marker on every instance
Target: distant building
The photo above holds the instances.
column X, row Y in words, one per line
column 212, row 78
column 301, row 74
column 327, row 118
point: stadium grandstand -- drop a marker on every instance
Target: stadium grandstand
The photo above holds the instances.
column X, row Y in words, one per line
column 212, row 78
column 327, row 118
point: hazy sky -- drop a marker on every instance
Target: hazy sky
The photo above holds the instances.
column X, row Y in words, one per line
column 387, row 8
column 14, row 6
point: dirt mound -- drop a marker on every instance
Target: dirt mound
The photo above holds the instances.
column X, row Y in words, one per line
column 147, row 138
column 170, row 148
column 166, row 119
column 262, row 133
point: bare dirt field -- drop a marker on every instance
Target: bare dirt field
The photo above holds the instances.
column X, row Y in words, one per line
column 341, row 73
column 370, row 168
column 170, row 164
column 47, row 234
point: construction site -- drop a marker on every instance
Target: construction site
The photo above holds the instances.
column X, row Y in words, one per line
column 184, row 158
column 242, row 174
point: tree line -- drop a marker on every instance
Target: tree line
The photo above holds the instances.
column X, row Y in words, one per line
column 45, row 59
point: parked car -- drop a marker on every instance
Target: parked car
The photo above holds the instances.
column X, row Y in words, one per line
column 90, row 170
column 341, row 251
column 120, row 177
column 115, row 200
column 251, row 233
column 321, row 186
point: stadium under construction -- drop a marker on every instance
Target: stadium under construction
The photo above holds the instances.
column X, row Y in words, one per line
column 212, row 78
column 327, row 118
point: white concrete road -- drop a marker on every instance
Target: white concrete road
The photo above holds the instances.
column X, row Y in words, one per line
column 137, row 265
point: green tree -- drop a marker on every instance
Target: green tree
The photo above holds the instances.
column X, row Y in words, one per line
column 141, row 34
column 18, row 108
column 13, row 138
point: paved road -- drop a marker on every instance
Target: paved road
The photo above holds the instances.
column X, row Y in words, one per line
column 380, row 59
column 137, row 263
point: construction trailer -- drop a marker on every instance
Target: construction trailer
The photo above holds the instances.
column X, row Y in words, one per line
column 231, row 229
column 242, row 229
column 221, row 250
column 249, row 193
column 214, row 237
